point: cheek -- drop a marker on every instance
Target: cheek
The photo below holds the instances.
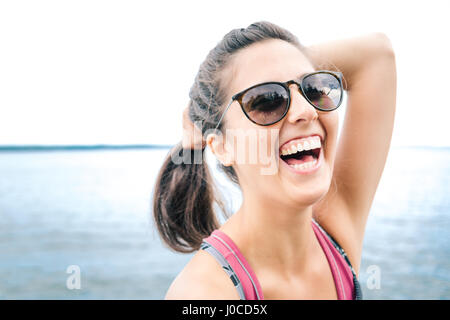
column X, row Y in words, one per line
column 330, row 123
column 255, row 154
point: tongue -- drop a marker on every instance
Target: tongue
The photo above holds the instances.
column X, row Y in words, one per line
column 301, row 160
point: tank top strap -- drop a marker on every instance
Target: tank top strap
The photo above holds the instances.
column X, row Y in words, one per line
column 225, row 266
column 225, row 251
column 339, row 261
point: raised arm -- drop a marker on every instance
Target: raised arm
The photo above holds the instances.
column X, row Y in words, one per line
column 368, row 65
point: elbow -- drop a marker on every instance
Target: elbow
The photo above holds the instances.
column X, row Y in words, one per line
column 383, row 44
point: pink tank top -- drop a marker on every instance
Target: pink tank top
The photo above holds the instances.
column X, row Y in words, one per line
column 244, row 278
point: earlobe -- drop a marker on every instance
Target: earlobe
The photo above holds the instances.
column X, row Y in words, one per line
column 218, row 148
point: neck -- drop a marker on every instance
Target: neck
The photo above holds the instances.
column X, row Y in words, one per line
column 272, row 236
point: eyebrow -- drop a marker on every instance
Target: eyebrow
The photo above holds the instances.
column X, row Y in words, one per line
column 301, row 75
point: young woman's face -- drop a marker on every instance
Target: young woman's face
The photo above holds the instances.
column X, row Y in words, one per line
column 270, row 178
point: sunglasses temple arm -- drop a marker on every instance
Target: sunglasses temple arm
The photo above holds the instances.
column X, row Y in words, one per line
column 223, row 114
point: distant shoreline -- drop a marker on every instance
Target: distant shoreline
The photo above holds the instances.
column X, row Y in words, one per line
column 26, row 148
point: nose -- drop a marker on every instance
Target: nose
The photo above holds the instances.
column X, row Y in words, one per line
column 300, row 108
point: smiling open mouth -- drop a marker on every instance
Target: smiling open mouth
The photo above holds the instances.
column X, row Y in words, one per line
column 302, row 154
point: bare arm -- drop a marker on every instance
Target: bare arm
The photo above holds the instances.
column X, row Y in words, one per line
column 368, row 65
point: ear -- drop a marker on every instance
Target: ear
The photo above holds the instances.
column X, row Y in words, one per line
column 220, row 149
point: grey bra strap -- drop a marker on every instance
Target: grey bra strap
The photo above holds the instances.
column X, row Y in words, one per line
column 225, row 265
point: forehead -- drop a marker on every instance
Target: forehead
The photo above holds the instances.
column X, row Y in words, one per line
column 268, row 60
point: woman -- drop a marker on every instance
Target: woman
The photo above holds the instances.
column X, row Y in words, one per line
column 299, row 231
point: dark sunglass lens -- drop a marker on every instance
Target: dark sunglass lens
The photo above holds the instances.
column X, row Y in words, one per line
column 265, row 104
column 323, row 90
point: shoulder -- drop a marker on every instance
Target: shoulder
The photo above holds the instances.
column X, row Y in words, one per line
column 202, row 279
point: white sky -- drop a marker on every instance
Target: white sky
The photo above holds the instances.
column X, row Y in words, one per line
column 88, row 72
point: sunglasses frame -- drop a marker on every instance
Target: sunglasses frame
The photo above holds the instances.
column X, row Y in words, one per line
column 238, row 96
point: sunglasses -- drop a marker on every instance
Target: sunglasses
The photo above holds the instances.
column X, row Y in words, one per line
column 267, row 103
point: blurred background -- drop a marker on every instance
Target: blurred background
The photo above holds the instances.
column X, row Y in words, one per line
column 89, row 108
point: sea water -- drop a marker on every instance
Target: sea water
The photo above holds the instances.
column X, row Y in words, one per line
column 92, row 210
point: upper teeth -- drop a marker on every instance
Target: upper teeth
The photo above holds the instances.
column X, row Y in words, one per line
column 301, row 145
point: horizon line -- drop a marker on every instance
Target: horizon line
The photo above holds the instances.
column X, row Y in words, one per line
column 44, row 147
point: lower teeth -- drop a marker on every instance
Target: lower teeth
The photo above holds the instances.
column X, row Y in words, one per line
column 305, row 165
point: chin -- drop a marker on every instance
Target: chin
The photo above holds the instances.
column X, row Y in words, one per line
column 306, row 192
column 309, row 197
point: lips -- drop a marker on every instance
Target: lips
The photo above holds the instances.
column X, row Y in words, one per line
column 302, row 152
column 306, row 168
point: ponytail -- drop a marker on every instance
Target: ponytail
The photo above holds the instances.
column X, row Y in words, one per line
column 183, row 202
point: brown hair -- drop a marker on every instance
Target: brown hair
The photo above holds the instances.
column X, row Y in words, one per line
column 184, row 194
